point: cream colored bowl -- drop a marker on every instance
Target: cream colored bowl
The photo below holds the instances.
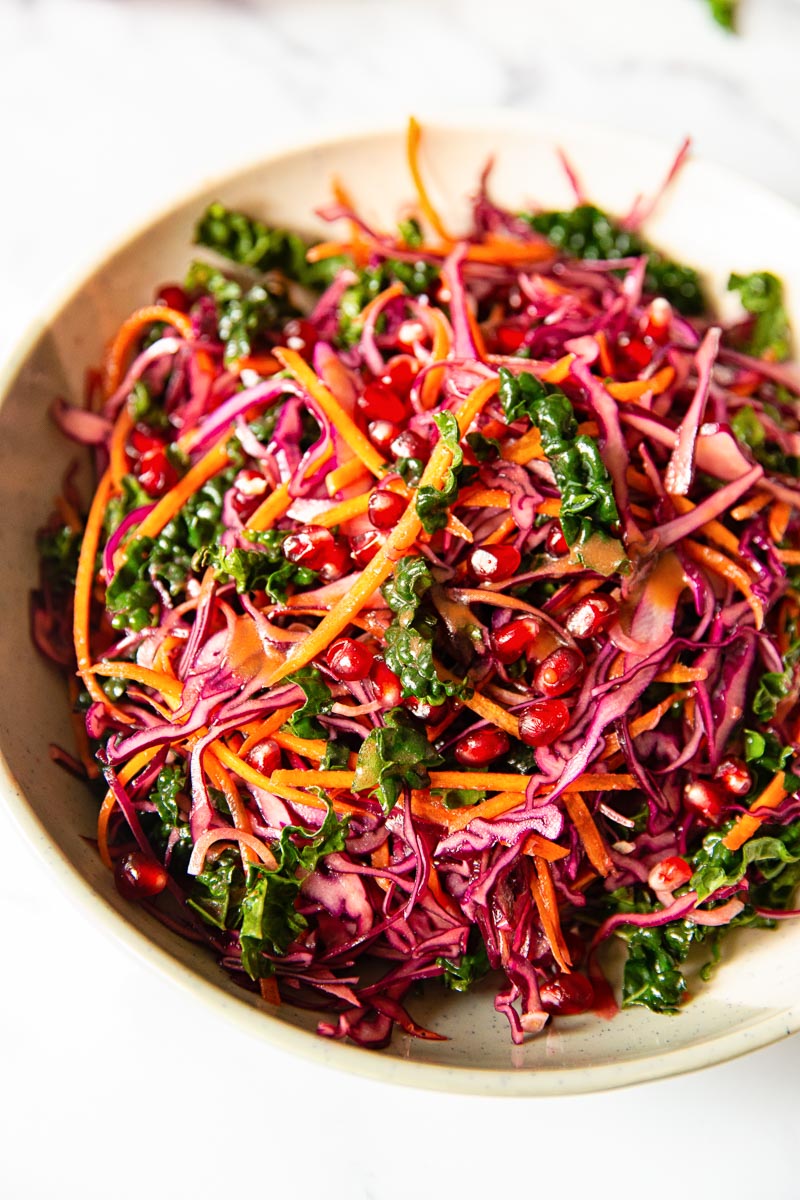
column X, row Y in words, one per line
column 710, row 218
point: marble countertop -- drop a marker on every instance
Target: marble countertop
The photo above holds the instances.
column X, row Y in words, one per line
column 110, row 108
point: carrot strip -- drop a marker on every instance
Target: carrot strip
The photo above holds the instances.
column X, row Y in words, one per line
column 269, row 990
column 342, row 476
column 263, row 364
column 131, row 768
column 483, row 780
column 680, row 674
column 503, row 252
column 272, row 509
column 345, row 511
column 606, row 365
column 743, row 512
column 485, row 498
column 412, row 150
column 399, row 540
column 544, row 895
column 549, row 508
column 588, row 832
column 264, row 729
column 637, row 388
column 130, row 330
column 714, row 530
column 727, row 570
column 170, row 504
column 790, row 557
column 458, row 528
column 525, row 448
column 779, row 516
column 118, row 459
column 84, row 579
column 390, row 293
column 313, row 748
column 559, row 370
column 222, row 780
column 506, row 527
column 542, row 847
column 270, row 784
column 171, row 689
column 351, row 434
column 747, row 824
column 439, row 352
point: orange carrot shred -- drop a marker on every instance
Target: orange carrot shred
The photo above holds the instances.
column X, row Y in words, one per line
column 130, row 330
column 747, row 824
column 544, row 895
column 412, row 150
column 589, row 834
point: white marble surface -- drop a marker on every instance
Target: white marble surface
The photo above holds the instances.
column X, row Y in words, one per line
column 112, row 1085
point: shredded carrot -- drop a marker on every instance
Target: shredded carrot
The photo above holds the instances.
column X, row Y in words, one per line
column 743, row 512
column 680, row 674
column 525, row 448
column 727, row 570
column 117, row 455
column 715, row 531
column 269, row 990
column 399, row 540
column 84, row 580
column 130, row 330
column 264, row 729
column 477, row 336
column 341, row 477
column 790, row 557
column 500, row 252
column 268, row 782
column 346, row 426
column 222, row 780
column 439, row 352
column 412, row 150
column 637, row 388
column 588, row 832
column 354, row 507
column 544, row 895
column 263, row 364
column 506, row 527
column 272, row 509
column 212, row 462
column 68, row 514
column 549, row 508
column 606, row 365
column 559, row 370
column 779, row 516
column 484, row 498
column 542, row 847
column 486, row 810
column 458, row 528
column 747, row 824
column 439, row 894
column 313, row 748
column 171, row 689
column 131, row 768
column 390, row 293
column 485, row 707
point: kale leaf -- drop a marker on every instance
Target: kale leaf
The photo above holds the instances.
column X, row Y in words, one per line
column 318, row 700
column 59, row 550
column 250, row 243
column 459, row 797
column 460, row 974
column 587, row 497
column 588, row 232
column 244, row 314
column 433, row 503
column 724, row 13
column 410, row 636
column 395, row 755
column 417, row 277
column 218, row 891
column 265, row 569
column 761, row 294
column 270, row 920
column 716, row 867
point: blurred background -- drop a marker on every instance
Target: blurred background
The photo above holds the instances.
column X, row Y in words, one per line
column 110, row 109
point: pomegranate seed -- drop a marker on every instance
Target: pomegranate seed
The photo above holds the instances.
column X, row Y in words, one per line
column 381, row 403
column 636, row 351
column 349, row 660
column 590, row 616
column 139, row 876
column 543, row 721
column 248, row 488
column 382, row 434
column 337, row 563
column 265, row 756
column 386, row 684
column 386, row 508
column 560, row 672
column 705, row 799
column 567, row 995
column 514, row 638
column 424, row 711
column 400, row 374
column 364, row 547
column 481, row 747
column 556, row 543
column 143, row 440
column 669, row 874
column 409, row 445
column 734, row 776
column 300, row 336
column 310, row 547
column 659, row 318
column 493, row 562
column 156, row 472
column 173, row 296
column 509, row 338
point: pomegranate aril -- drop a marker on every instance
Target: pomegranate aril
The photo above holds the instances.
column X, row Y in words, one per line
column 248, row 488
column 143, row 440
column 337, row 563
column 509, row 338
column 299, row 335
column 381, row 403
column 156, row 473
column 669, row 874
column 386, row 684
column 560, row 672
column 543, row 721
column 349, row 660
column 409, row 445
column 400, row 374
column 706, row 799
column 386, row 508
column 364, row 547
column 734, row 776
column 555, row 542
column 138, row 876
column 382, row 434
column 493, row 562
column 476, row 749
column 658, row 319
column 590, row 616
column 423, row 710
column 514, row 638
column 173, row 296
column 636, row 351
column 309, row 547
column 265, row 756
column 567, row 994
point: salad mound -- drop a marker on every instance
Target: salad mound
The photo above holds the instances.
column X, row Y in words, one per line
column 436, row 610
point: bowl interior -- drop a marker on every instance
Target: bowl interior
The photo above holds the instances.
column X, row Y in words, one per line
column 710, row 219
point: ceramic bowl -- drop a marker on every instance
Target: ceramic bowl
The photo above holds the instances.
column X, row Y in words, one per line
column 709, row 218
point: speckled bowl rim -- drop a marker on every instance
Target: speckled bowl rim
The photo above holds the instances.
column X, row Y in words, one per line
column 510, row 1082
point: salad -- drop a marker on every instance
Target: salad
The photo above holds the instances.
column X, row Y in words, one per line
column 435, row 613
